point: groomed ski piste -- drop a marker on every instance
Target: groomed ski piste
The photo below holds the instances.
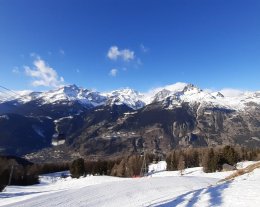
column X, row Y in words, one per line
column 163, row 188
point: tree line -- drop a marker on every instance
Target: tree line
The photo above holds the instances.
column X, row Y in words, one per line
column 211, row 159
column 19, row 171
column 14, row 171
column 129, row 166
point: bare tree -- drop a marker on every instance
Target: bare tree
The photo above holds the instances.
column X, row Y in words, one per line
column 181, row 164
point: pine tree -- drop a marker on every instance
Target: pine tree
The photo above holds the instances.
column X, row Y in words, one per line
column 4, row 176
column 77, row 168
column 230, row 155
column 209, row 161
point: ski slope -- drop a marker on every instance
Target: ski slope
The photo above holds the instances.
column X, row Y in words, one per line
column 163, row 188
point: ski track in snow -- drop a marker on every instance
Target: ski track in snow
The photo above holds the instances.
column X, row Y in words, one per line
column 128, row 192
column 162, row 189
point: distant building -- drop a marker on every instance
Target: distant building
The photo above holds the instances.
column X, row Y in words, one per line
column 58, row 139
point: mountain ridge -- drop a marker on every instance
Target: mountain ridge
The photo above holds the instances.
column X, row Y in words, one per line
column 124, row 121
column 180, row 92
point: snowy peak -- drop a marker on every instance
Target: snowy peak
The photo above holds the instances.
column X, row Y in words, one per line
column 217, row 94
column 63, row 93
column 21, row 96
column 173, row 95
column 177, row 87
column 70, row 91
column 191, row 88
column 170, row 96
column 174, row 91
column 73, row 93
column 161, row 95
column 127, row 96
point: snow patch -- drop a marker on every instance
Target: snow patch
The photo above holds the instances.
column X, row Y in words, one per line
column 4, row 117
column 38, row 130
column 157, row 167
column 63, row 118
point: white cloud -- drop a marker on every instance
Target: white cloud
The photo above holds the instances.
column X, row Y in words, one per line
column 230, row 92
column 43, row 74
column 113, row 72
column 143, row 48
column 16, row 70
column 114, row 53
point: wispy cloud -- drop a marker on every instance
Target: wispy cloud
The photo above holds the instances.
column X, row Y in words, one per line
column 15, row 70
column 34, row 55
column 43, row 74
column 231, row 92
column 62, row 52
column 114, row 53
column 139, row 61
column 144, row 49
column 113, row 72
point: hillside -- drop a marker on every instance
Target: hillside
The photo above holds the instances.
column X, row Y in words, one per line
column 125, row 121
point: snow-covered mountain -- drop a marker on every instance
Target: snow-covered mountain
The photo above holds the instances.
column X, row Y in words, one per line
column 120, row 121
column 173, row 95
column 17, row 95
column 127, row 96
column 73, row 93
column 170, row 96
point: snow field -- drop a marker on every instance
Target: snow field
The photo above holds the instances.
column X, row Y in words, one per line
column 106, row 191
column 163, row 188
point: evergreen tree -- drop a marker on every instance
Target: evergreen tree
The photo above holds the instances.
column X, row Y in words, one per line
column 172, row 162
column 77, row 168
column 230, row 155
column 4, row 176
column 210, row 161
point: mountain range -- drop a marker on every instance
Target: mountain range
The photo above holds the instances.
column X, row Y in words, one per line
column 126, row 121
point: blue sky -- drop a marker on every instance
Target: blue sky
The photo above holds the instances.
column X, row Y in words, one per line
column 141, row 44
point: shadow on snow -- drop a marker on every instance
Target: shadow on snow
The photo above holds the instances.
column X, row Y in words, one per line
column 214, row 192
column 11, row 195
